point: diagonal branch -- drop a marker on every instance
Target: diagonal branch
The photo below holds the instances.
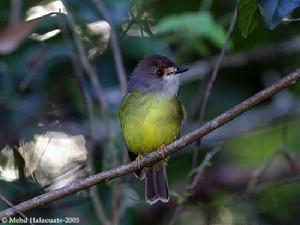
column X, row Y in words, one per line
column 89, row 114
column 156, row 156
column 92, row 74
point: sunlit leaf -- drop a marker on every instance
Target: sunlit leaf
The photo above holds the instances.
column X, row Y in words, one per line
column 45, row 8
column 54, row 159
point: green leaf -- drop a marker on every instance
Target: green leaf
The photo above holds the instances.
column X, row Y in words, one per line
column 200, row 24
column 248, row 16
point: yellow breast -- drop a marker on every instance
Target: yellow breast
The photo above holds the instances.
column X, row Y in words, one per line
column 148, row 121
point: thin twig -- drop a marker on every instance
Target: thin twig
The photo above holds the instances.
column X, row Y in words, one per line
column 90, row 117
column 199, row 172
column 89, row 114
column 87, row 101
column 100, row 6
column 39, row 61
column 212, row 80
column 92, row 75
column 262, row 171
column 200, row 68
column 98, row 206
column 14, row 208
column 200, row 169
column 110, row 150
column 259, row 173
column 284, row 150
column 15, row 12
column 286, row 155
column 259, row 54
column 130, row 22
column 119, row 189
column 156, row 156
column 285, row 181
column 178, row 210
column 118, row 203
column 216, row 68
column 231, row 179
column 189, row 189
column 95, row 197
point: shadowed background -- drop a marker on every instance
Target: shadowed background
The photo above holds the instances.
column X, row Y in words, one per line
column 63, row 75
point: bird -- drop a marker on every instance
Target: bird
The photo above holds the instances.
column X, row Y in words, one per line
column 151, row 116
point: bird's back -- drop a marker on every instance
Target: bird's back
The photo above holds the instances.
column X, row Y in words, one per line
column 149, row 121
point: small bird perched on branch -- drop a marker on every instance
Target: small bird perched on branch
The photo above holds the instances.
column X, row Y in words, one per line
column 151, row 116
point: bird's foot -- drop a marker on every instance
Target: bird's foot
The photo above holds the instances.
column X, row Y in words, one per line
column 138, row 159
column 162, row 149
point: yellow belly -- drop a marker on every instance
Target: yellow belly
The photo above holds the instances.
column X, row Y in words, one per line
column 149, row 121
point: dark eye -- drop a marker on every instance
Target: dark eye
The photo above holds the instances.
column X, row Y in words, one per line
column 159, row 72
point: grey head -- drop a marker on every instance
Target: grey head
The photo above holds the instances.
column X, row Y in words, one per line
column 156, row 74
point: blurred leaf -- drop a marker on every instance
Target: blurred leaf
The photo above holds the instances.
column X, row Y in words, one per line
column 12, row 37
column 199, row 24
column 273, row 11
column 248, row 16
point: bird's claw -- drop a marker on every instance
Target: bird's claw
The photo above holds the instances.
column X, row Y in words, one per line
column 162, row 150
column 138, row 159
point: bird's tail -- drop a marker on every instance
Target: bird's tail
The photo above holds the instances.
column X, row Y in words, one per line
column 156, row 183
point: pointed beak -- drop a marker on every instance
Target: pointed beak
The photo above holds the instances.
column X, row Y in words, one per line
column 181, row 69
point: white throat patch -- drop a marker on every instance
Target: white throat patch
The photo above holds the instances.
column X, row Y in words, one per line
column 170, row 86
